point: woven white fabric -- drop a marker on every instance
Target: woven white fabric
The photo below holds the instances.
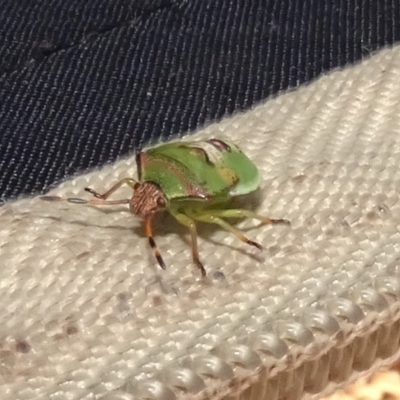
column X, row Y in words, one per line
column 87, row 313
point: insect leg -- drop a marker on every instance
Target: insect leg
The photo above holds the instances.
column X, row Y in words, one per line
column 187, row 221
column 149, row 234
column 127, row 181
column 242, row 213
column 212, row 219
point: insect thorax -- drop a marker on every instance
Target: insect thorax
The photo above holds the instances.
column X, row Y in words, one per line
column 147, row 199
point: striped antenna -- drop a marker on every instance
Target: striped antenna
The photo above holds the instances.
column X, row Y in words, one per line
column 76, row 200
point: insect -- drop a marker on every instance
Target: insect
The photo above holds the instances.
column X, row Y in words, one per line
column 194, row 182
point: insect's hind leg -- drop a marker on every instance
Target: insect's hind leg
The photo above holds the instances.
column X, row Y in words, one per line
column 213, row 219
column 126, row 181
column 188, row 222
column 242, row 213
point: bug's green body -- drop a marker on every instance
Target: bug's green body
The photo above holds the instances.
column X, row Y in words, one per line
column 193, row 181
column 199, row 171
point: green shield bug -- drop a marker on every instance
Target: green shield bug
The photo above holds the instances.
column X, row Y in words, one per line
column 193, row 181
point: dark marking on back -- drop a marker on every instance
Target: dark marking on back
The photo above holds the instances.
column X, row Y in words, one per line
column 203, row 153
column 139, row 165
column 180, row 170
column 219, row 145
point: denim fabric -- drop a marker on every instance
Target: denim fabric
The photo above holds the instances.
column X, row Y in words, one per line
column 84, row 82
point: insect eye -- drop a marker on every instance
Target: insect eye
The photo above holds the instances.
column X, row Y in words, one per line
column 136, row 186
column 161, row 202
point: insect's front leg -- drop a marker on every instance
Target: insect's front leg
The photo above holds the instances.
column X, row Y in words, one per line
column 127, row 181
column 149, row 234
column 187, row 221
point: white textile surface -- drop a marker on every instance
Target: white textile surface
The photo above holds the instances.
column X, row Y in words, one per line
column 86, row 312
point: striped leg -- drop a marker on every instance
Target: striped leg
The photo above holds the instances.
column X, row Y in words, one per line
column 149, row 234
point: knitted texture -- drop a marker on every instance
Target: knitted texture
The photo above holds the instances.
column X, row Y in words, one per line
column 87, row 313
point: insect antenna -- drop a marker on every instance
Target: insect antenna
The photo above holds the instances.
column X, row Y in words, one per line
column 76, row 200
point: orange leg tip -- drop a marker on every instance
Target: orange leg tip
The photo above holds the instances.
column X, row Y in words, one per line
column 160, row 261
column 255, row 244
column 201, row 268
